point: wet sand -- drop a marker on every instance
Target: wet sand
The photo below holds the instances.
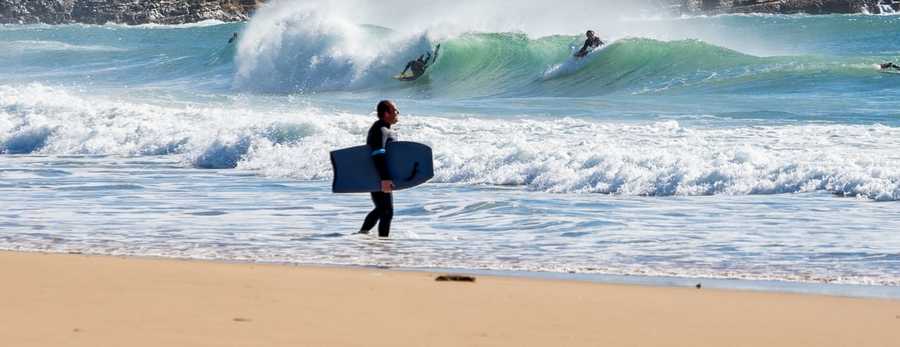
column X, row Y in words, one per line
column 77, row 300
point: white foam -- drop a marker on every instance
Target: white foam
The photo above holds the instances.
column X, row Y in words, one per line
column 573, row 64
column 28, row 46
column 304, row 48
column 200, row 24
column 552, row 155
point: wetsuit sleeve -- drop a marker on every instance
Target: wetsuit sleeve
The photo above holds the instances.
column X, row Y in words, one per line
column 379, row 154
column 381, row 165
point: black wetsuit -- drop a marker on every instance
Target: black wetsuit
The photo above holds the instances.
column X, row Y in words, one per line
column 886, row 66
column 380, row 134
column 417, row 66
column 590, row 43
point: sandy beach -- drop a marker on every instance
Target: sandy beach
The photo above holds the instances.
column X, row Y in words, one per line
column 78, row 300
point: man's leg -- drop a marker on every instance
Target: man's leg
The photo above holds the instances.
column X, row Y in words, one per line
column 372, row 217
column 386, row 212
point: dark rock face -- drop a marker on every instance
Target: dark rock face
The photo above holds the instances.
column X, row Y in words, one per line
column 35, row 11
column 123, row 11
column 778, row 6
column 160, row 11
column 188, row 11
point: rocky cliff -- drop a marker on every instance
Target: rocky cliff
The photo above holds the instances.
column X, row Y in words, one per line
column 123, row 11
column 187, row 11
column 786, row 6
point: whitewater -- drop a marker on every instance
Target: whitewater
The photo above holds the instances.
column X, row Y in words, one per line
column 746, row 147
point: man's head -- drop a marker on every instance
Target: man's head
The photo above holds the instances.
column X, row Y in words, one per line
column 589, row 34
column 387, row 111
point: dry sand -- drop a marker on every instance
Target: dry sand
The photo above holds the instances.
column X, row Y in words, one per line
column 75, row 300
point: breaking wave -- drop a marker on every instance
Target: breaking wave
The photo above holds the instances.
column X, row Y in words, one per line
column 567, row 155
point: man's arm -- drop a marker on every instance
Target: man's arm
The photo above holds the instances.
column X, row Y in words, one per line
column 376, row 142
column 379, row 153
column 379, row 156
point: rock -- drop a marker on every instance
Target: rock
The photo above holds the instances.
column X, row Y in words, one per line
column 189, row 11
column 455, row 278
column 774, row 6
column 124, row 11
column 35, row 11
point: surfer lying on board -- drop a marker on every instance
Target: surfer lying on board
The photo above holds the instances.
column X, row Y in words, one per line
column 590, row 44
column 890, row 65
column 380, row 134
column 419, row 66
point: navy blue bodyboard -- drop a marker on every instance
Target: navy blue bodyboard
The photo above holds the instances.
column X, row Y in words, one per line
column 410, row 164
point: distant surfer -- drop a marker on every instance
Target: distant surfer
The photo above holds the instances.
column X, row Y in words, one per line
column 890, row 66
column 380, row 134
column 592, row 43
column 418, row 66
column 233, row 38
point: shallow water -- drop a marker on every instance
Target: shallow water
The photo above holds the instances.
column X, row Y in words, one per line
column 141, row 206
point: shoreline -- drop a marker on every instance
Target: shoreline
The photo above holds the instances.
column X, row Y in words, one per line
column 81, row 300
column 841, row 290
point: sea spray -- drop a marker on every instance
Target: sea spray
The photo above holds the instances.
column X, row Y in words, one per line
column 306, row 50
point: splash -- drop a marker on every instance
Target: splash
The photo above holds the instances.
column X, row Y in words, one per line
column 304, row 48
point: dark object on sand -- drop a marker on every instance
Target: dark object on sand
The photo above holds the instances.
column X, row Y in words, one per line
column 699, row 286
column 455, row 278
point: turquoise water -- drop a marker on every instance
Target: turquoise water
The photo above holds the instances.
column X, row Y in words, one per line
column 731, row 147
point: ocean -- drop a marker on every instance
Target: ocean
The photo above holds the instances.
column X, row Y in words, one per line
column 744, row 149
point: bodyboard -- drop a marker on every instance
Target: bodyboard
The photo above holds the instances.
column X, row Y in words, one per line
column 409, row 163
column 406, row 77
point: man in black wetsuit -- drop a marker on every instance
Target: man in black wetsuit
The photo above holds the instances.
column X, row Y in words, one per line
column 419, row 66
column 380, row 134
column 891, row 65
column 590, row 44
